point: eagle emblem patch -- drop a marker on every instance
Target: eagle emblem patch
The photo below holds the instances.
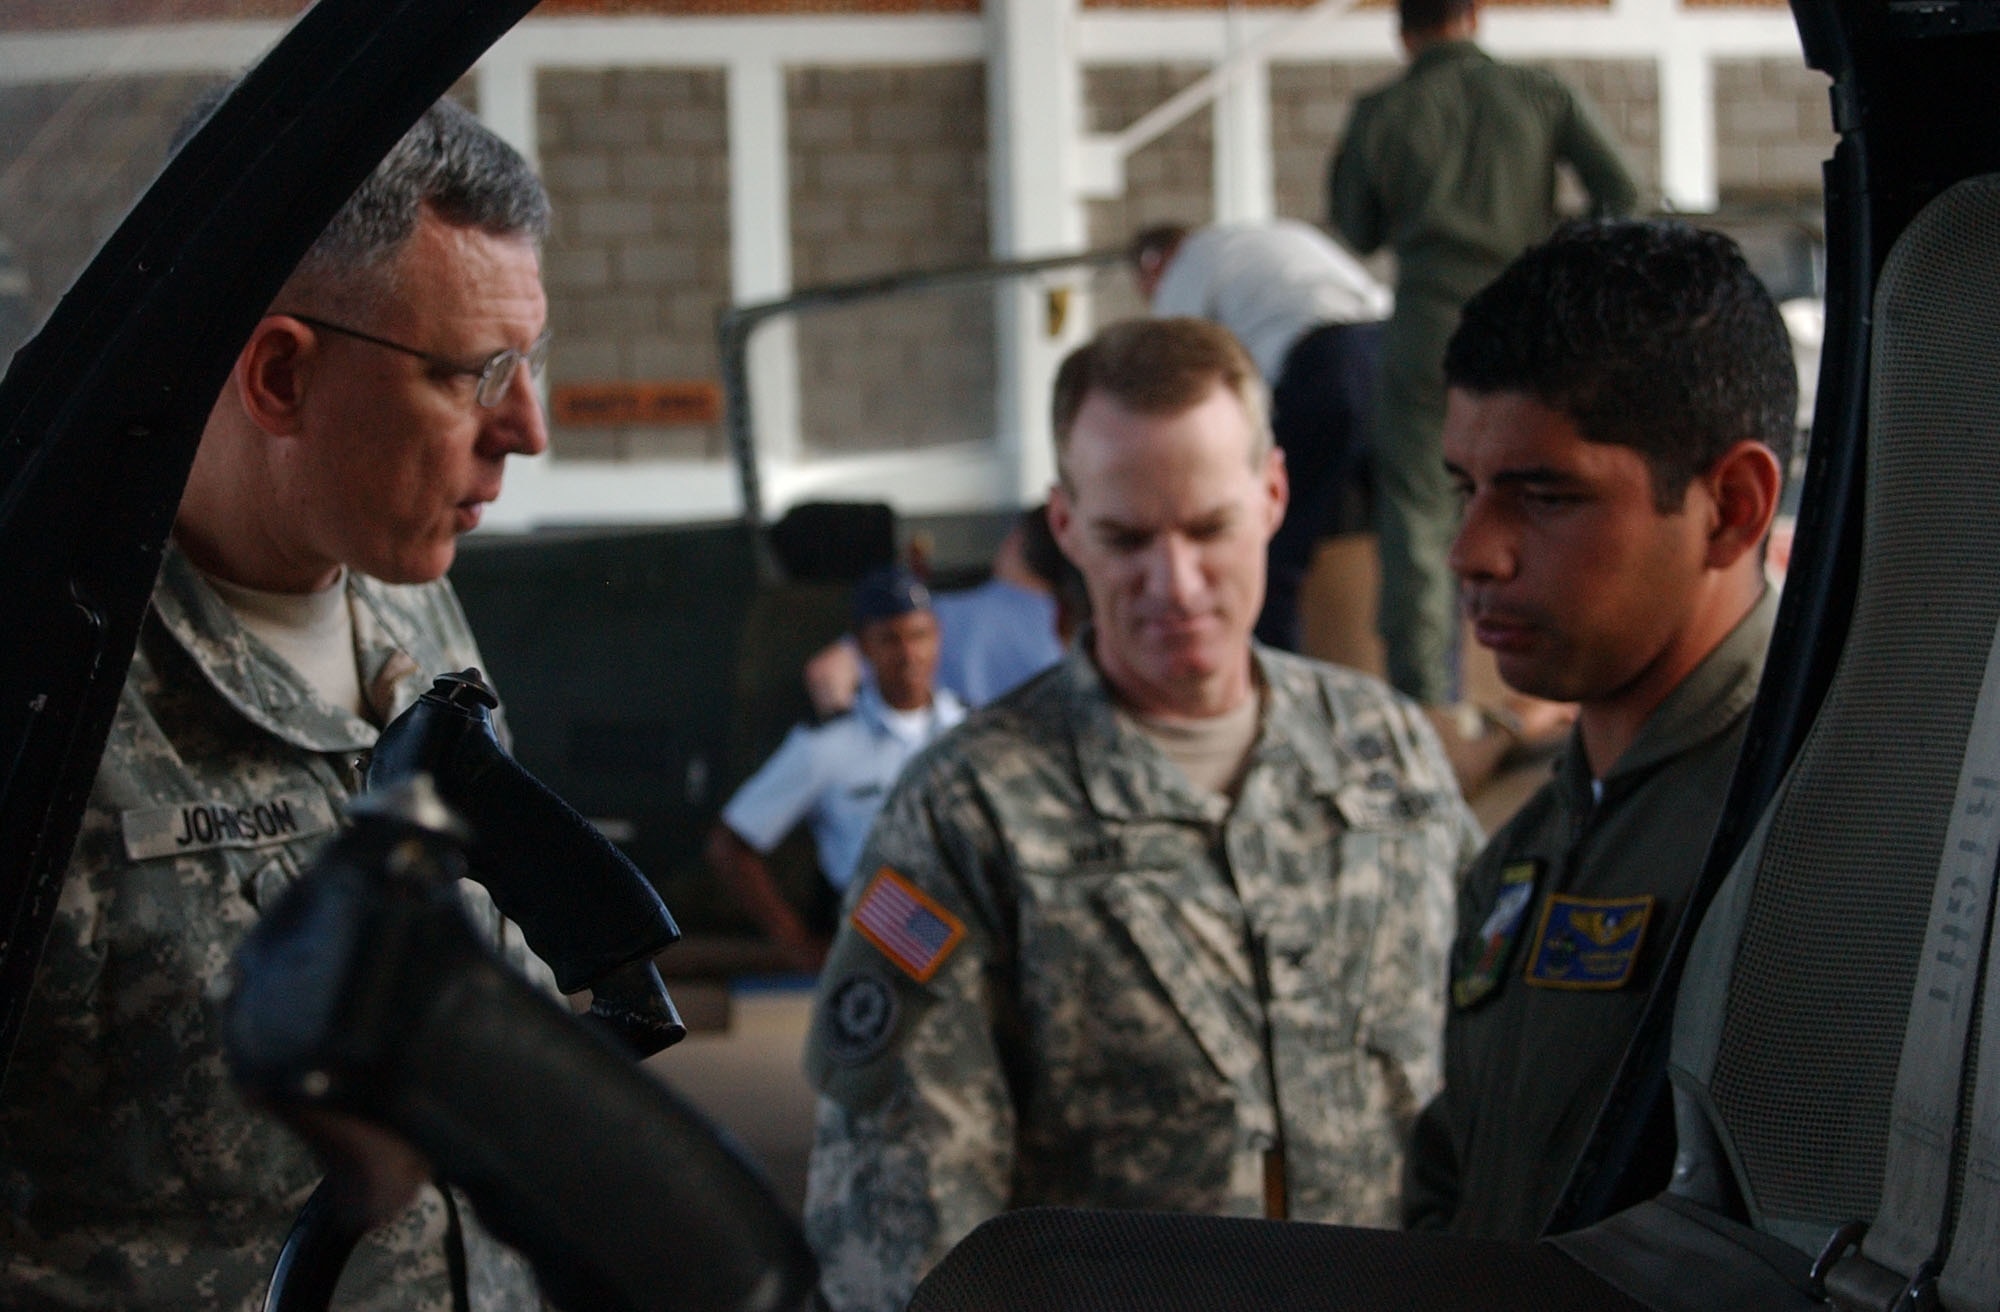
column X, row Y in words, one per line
column 1589, row 943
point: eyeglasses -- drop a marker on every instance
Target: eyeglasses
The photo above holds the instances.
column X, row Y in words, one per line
column 494, row 373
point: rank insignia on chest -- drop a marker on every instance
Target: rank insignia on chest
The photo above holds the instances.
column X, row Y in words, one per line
column 1589, row 943
column 1480, row 975
column 911, row 928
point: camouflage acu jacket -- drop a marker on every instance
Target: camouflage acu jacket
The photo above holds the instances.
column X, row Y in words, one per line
column 1066, row 977
column 131, row 1174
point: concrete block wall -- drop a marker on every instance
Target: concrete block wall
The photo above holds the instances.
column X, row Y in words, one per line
column 1310, row 106
column 1773, row 129
column 888, row 174
column 1626, row 96
column 1211, row 5
column 739, row 8
column 637, row 165
column 73, row 158
column 1167, row 181
column 66, row 181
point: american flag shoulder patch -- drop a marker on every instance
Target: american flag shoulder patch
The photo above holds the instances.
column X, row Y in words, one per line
column 909, row 926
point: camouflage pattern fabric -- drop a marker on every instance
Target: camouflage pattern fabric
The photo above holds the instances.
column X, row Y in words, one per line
column 132, row 1176
column 1136, row 991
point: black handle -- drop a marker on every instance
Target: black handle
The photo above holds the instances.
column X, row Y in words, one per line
column 365, row 990
column 583, row 906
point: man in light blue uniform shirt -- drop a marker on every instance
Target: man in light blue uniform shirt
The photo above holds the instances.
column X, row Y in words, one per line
column 993, row 637
column 835, row 776
column 1003, row 632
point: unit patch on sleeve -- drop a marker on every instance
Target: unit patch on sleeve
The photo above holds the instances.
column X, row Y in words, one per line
column 1589, row 943
column 911, row 928
column 199, row 826
column 860, row 1016
column 1481, row 975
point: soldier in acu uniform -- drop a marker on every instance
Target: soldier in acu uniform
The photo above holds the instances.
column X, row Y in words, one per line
column 300, row 607
column 1164, row 928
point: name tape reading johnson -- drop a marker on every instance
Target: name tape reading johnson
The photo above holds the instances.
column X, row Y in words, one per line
column 202, row 826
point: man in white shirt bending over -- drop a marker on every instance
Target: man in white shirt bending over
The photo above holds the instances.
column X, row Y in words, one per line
column 1311, row 318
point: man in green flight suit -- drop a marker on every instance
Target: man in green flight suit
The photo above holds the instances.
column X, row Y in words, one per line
column 1616, row 398
column 1454, row 167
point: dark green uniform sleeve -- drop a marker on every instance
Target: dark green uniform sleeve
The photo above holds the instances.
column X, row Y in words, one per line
column 1430, row 1171
column 1354, row 207
column 1434, row 1169
column 1582, row 141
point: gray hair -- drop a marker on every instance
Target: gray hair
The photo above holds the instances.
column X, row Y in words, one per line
column 449, row 163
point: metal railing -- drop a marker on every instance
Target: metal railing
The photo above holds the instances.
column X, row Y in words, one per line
column 736, row 323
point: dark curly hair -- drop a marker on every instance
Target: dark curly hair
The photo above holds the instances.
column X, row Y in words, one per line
column 1653, row 335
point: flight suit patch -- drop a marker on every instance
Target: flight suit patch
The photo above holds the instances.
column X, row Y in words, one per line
column 1497, row 933
column 1589, row 943
column 910, row 927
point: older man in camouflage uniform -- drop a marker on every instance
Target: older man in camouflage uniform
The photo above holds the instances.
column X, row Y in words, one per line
column 1166, row 927
column 300, row 607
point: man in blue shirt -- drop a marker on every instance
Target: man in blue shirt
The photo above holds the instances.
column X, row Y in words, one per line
column 994, row 637
column 835, row 776
column 1003, row 632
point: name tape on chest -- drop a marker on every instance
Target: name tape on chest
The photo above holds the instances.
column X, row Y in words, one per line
column 1589, row 942
column 1382, row 803
column 185, row 827
column 1481, row 973
column 909, row 926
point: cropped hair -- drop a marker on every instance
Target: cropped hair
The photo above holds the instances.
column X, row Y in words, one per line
column 448, row 163
column 1159, row 367
column 1651, row 335
column 1430, row 15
